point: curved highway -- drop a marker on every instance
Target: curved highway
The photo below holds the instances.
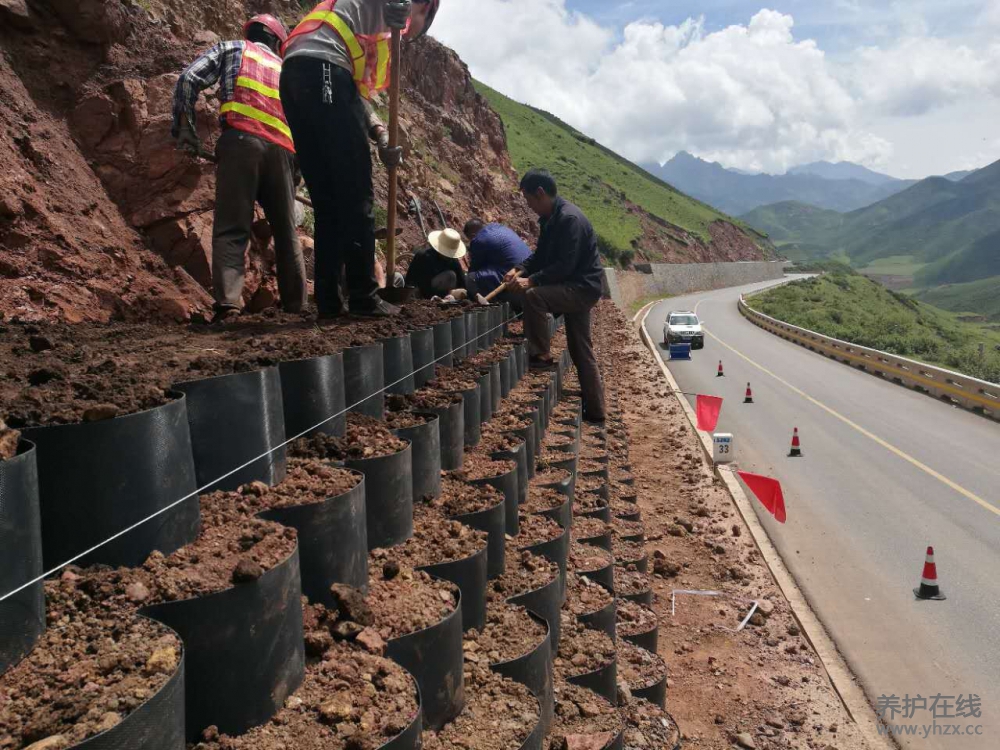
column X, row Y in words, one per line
column 886, row 471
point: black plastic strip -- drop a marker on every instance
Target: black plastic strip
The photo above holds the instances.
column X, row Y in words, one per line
column 88, row 493
column 491, row 521
column 534, row 671
column 333, row 544
column 443, row 343
column 312, row 390
column 364, row 380
column 397, row 364
column 244, row 650
column 426, row 442
column 470, row 575
column 232, row 417
column 451, row 429
column 388, row 496
column 422, row 352
column 22, row 616
column 649, row 640
column 603, row 681
column 602, row 620
column 507, row 484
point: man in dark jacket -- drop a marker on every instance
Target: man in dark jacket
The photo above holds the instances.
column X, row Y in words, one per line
column 563, row 277
column 493, row 250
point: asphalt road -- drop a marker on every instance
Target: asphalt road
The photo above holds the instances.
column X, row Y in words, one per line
column 886, row 471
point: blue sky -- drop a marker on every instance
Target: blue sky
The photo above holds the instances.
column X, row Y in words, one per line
column 911, row 87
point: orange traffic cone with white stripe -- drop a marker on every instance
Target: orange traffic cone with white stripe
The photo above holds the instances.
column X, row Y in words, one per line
column 928, row 581
column 749, row 397
column 720, row 373
column 796, row 451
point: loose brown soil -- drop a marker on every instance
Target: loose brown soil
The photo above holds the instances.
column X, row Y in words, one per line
column 549, row 459
column 499, row 714
column 451, row 380
column 624, row 509
column 534, row 529
column 589, row 528
column 591, row 453
column 398, row 420
column 639, row 668
column 8, row 441
column 350, row 698
column 633, row 618
column 86, row 674
column 478, row 466
column 590, row 484
column 435, row 540
column 365, row 438
column 555, row 440
column 622, row 528
column 586, row 558
column 306, row 481
column 582, row 713
column 581, row 649
column 408, row 601
column 586, row 466
column 231, row 550
column 587, row 502
column 541, row 499
column 499, row 435
column 631, row 582
column 523, row 572
column 549, row 477
column 584, row 596
column 423, row 399
column 509, row 632
column 648, row 726
column 459, row 498
column 627, row 553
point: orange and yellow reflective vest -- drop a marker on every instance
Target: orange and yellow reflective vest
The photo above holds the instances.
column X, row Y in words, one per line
column 256, row 104
column 369, row 52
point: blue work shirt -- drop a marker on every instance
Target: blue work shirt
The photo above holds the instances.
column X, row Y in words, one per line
column 492, row 253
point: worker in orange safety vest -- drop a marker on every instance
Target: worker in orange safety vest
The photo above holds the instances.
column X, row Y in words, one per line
column 255, row 155
column 335, row 60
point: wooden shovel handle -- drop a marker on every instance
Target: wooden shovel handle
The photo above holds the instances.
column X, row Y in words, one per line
column 503, row 286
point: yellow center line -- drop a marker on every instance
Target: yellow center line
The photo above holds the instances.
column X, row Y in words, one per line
column 868, row 434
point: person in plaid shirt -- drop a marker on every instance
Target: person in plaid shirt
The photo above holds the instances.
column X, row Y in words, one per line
column 255, row 156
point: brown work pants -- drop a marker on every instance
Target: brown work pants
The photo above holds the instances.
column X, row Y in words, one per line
column 575, row 305
column 253, row 169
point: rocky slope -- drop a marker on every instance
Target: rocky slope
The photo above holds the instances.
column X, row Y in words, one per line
column 102, row 217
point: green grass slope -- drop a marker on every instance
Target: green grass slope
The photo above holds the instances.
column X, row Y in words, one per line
column 952, row 228
column 599, row 180
column 852, row 307
column 976, row 297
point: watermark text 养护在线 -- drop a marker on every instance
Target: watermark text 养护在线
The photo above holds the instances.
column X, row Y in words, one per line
column 950, row 715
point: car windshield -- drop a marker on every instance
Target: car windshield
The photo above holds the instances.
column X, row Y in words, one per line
column 683, row 320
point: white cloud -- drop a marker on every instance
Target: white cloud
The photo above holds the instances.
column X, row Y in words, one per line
column 749, row 95
column 919, row 74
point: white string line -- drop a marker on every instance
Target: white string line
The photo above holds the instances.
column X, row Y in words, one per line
column 254, row 460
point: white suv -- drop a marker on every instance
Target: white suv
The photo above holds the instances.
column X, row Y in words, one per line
column 683, row 327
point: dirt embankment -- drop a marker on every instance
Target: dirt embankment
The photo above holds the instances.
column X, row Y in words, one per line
column 764, row 684
column 101, row 216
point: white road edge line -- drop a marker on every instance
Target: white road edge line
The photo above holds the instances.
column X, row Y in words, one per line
column 851, row 694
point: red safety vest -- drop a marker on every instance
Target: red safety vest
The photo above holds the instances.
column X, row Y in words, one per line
column 256, row 104
column 369, row 52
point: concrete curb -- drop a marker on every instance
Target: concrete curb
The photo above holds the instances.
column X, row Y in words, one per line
column 851, row 694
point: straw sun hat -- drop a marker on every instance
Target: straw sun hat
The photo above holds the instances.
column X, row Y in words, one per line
column 448, row 243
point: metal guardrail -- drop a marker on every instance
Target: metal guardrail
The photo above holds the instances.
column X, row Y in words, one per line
column 961, row 390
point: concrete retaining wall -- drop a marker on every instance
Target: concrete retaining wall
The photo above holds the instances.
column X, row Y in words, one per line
column 663, row 279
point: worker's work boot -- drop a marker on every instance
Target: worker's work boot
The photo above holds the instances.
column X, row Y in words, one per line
column 378, row 308
column 224, row 314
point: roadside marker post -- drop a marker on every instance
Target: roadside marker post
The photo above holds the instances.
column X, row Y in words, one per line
column 723, row 448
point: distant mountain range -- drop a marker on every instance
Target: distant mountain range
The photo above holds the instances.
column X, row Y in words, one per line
column 839, row 187
column 937, row 231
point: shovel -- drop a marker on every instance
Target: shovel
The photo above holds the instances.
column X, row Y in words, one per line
column 393, row 294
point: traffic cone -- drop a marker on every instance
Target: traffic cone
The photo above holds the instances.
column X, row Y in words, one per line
column 928, row 582
column 720, row 373
column 749, row 397
column 796, row 451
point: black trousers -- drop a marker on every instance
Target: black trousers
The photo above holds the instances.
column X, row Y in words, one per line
column 254, row 169
column 331, row 140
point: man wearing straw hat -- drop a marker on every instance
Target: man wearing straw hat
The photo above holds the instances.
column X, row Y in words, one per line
column 436, row 270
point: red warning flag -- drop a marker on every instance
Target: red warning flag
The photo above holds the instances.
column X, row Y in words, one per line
column 707, row 408
column 768, row 491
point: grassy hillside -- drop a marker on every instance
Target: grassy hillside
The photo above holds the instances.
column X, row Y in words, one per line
column 945, row 230
column 852, row 307
column 597, row 179
column 976, row 297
